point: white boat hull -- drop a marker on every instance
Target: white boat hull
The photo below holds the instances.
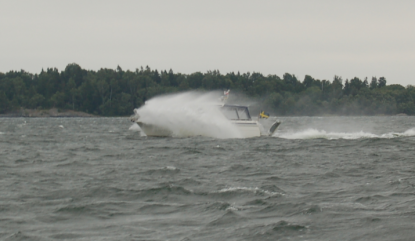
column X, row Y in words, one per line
column 247, row 129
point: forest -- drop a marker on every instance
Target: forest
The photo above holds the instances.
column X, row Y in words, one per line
column 116, row 92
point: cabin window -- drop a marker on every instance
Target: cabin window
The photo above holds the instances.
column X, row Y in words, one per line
column 243, row 114
column 236, row 113
column 230, row 113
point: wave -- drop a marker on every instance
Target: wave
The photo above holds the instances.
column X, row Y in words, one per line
column 20, row 236
column 322, row 134
column 168, row 170
column 228, row 219
column 276, row 231
column 254, row 190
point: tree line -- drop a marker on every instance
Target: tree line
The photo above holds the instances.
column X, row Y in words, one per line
column 116, row 92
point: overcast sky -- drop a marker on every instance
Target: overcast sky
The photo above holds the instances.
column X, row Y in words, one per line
column 319, row 38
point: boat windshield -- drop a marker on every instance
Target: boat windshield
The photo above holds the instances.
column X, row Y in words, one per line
column 243, row 114
column 236, row 112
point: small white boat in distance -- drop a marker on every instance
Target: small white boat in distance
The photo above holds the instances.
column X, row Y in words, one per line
column 237, row 115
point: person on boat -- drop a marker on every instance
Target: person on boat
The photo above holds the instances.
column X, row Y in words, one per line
column 225, row 95
column 262, row 114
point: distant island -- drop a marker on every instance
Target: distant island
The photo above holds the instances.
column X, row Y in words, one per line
column 116, row 92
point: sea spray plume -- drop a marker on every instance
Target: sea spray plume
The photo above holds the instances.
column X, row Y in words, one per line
column 134, row 127
column 410, row 132
column 188, row 114
column 239, row 98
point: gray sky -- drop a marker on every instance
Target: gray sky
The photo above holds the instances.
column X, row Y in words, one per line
column 319, row 38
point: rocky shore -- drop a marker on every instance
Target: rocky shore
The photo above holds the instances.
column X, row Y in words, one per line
column 54, row 112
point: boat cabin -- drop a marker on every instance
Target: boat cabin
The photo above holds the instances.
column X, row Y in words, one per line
column 236, row 112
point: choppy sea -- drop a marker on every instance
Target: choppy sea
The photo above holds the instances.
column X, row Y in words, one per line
column 317, row 178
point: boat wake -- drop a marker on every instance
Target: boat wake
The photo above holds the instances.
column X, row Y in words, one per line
column 321, row 134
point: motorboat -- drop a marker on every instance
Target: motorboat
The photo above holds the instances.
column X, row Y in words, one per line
column 237, row 115
column 240, row 117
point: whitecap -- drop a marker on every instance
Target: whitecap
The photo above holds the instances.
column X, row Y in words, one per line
column 233, row 207
column 250, row 189
column 170, row 168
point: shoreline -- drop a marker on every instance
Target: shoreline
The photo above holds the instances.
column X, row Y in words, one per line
column 61, row 113
column 53, row 112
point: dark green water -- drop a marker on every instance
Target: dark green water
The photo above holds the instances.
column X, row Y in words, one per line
column 331, row 178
